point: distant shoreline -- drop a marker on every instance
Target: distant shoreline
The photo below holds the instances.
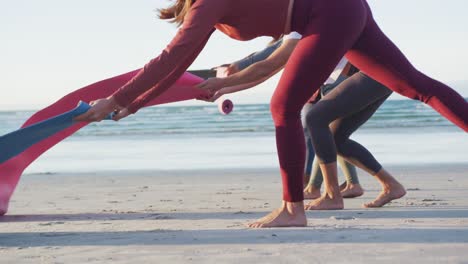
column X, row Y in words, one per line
column 37, row 107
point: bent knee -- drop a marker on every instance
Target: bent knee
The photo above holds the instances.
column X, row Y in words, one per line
column 315, row 119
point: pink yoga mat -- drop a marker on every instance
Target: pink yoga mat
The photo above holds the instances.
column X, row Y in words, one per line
column 11, row 170
column 225, row 107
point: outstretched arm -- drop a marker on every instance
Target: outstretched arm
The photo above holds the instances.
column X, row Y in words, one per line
column 255, row 73
column 229, row 69
column 257, row 56
column 160, row 73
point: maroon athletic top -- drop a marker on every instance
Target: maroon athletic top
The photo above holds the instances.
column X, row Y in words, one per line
column 239, row 19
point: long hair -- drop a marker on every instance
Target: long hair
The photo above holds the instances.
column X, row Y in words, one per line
column 176, row 12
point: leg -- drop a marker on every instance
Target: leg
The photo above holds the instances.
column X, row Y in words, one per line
column 351, row 188
column 343, row 128
column 320, row 50
column 378, row 57
column 310, row 154
column 348, row 169
column 360, row 110
column 345, row 100
column 391, row 190
column 312, row 170
column 331, row 199
column 312, row 188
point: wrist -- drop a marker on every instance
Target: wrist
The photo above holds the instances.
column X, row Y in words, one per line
column 224, row 82
column 233, row 67
column 221, row 91
column 228, row 81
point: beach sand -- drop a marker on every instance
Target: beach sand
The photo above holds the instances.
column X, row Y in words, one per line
column 199, row 216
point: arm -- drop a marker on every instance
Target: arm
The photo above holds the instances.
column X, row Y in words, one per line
column 245, row 86
column 257, row 56
column 229, row 69
column 160, row 73
column 263, row 69
column 236, row 88
column 255, row 73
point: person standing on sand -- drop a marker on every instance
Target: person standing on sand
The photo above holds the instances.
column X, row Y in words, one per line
column 313, row 177
column 331, row 29
column 346, row 93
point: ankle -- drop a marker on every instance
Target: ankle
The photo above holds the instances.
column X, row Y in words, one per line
column 333, row 195
column 354, row 186
column 310, row 188
column 294, row 208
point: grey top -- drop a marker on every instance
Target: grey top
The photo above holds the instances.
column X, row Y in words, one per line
column 266, row 52
column 258, row 56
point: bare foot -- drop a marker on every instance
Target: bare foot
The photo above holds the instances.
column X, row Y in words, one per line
column 387, row 195
column 289, row 215
column 267, row 217
column 311, row 192
column 352, row 191
column 326, row 203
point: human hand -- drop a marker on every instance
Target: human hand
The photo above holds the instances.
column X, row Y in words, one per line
column 121, row 114
column 99, row 110
column 216, row 96
column 226, row 70
column 211, row 85
column 231, row 69
column 211, row 97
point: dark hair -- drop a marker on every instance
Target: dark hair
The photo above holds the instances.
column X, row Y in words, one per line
column 176, row 12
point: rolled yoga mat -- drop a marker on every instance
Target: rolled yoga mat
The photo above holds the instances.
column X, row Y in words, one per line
column 12, row 168
column 225, row 107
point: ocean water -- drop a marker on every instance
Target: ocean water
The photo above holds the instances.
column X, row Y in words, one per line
column 198, row 137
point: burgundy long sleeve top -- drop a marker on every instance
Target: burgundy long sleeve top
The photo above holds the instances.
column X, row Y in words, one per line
column 239, row 19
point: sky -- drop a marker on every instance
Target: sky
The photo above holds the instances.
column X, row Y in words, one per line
column 49, row 48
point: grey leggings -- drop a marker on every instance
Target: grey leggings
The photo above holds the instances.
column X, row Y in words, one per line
column 341, row 112
column 312, row 167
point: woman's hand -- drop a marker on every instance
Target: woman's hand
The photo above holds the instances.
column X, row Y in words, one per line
column 212, row 97
column 212, row 85
column 121, row 114
column 99, row 110
column 216, row 96
column 226, row 70
column 231, row 69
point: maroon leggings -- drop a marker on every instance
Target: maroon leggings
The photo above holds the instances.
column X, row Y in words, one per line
column 332, row 29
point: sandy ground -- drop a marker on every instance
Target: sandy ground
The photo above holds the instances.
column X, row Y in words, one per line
column 199, row 217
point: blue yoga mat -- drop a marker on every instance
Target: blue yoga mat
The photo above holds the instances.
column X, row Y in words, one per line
column 14, row 143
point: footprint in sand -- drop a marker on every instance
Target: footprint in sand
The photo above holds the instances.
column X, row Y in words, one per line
column 51, row 223
column 342, row 218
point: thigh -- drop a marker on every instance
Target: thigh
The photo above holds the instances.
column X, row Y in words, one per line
column 342, row 128
column 348, row 98
column 376, row 55
column 325, row 41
